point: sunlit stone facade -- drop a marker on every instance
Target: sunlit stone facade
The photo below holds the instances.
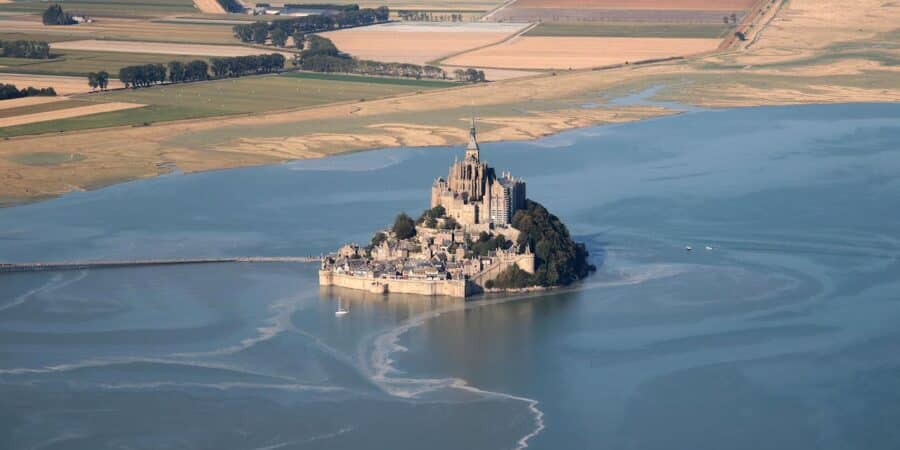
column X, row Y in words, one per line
column 474, row 195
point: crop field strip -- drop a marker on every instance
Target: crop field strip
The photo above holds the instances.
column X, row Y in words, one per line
column 80, row 63
column 41, row 107
column 108, row 8
column 609, row 29
column 227, row 97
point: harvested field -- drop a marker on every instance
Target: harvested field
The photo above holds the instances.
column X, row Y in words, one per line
column 578, row 52
column 158, row 48
column 62, row 103
column 62, row 85
column 65, row 113
column 163, row 30
column 210, row 6
column 28, row 101
column 702, row 5
column 613, row 29
column 665, row 16
column 418, row 43
column 108, row 8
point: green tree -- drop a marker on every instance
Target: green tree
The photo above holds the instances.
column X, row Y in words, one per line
column 299, row 39
column 102, row 79
column 92, row 80
column 279, row 37
column 176, row 71
column 54, row 15
column 404, row 227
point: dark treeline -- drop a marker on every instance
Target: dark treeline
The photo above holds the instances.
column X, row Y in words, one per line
column 25, row 49
column 470, row 75
column 260, row 32
column 196, row 70
column 245, row 65
column 321, row 55
column 232, row 6
column 98, row 80
column 54, row 15
column 199, row 70
column 143, row 75
column 10, row 91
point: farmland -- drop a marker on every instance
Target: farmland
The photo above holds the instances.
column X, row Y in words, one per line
column 578, row 52
column 64, row 85
column 108, row 8
column 227, row 97
column 704, row 5
column 811, row 51
column 80, row 63
column 642, row 30
column 158, row 48
column 169, row 29
column 418, row 43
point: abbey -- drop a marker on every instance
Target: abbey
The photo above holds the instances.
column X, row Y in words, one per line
column 474, row 195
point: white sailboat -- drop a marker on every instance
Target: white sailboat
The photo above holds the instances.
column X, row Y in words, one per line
column 341, row 311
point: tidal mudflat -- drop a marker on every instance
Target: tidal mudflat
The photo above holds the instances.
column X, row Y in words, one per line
column 779, row 330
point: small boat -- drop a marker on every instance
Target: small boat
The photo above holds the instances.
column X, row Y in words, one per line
column 708, row 248
column 341, row 311
column 688, row 248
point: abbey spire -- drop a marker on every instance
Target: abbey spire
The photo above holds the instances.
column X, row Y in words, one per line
column 472, row 149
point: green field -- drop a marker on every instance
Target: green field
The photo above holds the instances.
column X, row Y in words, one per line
column 219, row 98
column 372, row 80
column 597, row 29
column 108, row 8
column 80, row 62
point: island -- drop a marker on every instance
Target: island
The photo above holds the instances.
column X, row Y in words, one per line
column 481, row 234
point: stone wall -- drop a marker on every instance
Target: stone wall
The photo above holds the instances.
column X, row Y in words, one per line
column 450, row 288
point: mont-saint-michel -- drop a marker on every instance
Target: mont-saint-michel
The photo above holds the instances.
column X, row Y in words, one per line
column 481, row 233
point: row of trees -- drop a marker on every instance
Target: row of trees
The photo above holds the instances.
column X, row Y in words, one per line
column 278, row 31
column 98, row 80
column 54, row 15
column 10, row 91
column 142, row 75
column 25, row 49
column 470, row 75
column 196, row 70
column 321, row 55
column 244, row 65
column 425, row 16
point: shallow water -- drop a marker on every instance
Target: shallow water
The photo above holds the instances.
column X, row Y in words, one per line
column 783, row 336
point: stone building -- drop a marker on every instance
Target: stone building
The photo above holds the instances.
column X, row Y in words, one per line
column 474, row 195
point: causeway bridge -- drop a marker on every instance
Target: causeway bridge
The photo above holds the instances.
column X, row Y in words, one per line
column 81, row 265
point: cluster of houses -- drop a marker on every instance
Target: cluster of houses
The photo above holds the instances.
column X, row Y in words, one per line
column 433, row 254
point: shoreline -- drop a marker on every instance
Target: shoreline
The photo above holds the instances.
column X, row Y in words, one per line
column 168, row 169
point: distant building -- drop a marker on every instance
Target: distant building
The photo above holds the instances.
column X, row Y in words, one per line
column 474, row 195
